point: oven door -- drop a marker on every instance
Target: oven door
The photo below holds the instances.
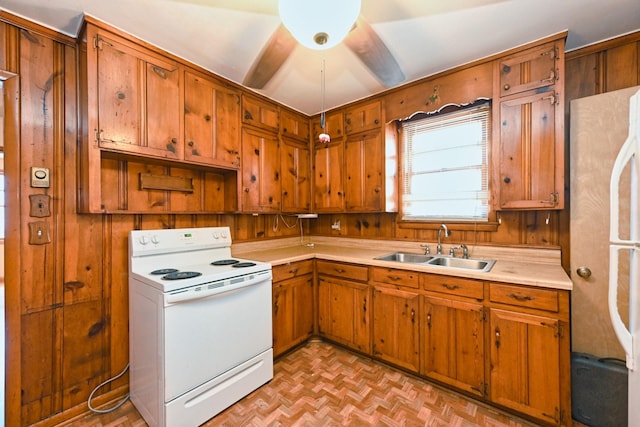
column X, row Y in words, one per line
column 214, row 331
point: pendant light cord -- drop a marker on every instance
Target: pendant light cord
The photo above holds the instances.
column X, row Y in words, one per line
column 323, row 122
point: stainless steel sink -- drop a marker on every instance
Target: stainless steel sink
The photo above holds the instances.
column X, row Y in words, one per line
column 465, row 263
column 406, row 257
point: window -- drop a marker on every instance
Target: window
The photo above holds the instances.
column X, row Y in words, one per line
column 444, row 165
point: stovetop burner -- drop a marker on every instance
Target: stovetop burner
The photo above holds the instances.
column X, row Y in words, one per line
column 163, row 271
column 178, row 275
column 243, row 264
column 229, row 261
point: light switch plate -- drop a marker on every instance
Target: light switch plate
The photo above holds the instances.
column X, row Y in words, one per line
column 39, row 233
column 39, row 177
column 39, row 205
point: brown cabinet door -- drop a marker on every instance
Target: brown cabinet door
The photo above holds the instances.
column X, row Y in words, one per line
column 136, row 99
column 262, row 114
column 395, row 327
column 532, row 69
column 453, row 347
column 363, row 117
column 531, row 154
column 292, row 312
column 364, row 165
column 211, row 123
column 525, row 363
column 293, row 125
column 296, row 176
column 328, row 195
column 343, row 312
column 261, row 185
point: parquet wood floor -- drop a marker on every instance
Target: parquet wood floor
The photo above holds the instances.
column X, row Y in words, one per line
column 320, row 384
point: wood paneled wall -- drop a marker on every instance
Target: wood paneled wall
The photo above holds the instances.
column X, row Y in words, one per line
column 67, row 302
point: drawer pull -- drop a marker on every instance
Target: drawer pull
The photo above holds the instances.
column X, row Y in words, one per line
column 497, row 331
column 339, row 270
column 429, row 320
column 450, row 287
column 396, row 278
column 520, row 297
column 413, row 315
column 294, row 271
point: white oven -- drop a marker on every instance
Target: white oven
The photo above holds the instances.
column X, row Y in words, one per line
column 199, row 324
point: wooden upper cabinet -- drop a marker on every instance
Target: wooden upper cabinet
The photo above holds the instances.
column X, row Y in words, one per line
column 532, row 69
column 529, row 128
column 294, row 125
column 328, row 192
column 259, row 113
column 133, row 98
column 363, row 117
column 531, row 155
column 261, row 184
column 333, row 126
column 364, row 172
column 296, row 176
column 211, row 122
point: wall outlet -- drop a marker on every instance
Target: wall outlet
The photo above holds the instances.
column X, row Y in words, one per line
column 336, row 225
column 39, row 233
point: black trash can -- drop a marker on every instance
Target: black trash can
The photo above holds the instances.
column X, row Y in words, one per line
column 599, row 390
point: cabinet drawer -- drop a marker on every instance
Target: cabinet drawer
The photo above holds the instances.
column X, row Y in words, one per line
column 289, row 270
column 394, row 276
column 347, row 271
column 524, row 296
column 453, row 286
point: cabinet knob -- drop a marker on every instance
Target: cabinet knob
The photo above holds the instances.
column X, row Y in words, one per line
column 376, row 121
column 584, row 272
column 507, row 179
column 191, row 143
column 174, row 140
column 507, row 87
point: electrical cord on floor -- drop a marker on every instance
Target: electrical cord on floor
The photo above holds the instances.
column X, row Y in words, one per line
column 119, row 404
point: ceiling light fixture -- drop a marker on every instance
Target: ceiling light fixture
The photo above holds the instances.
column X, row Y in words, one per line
column 319, row 24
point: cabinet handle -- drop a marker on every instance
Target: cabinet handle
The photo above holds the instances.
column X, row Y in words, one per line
column 364, row 304
column 394, row 278
column 507, row 86
column 450, row 287
column 429, row 320
column 507, row 179
column 294, row 271
column 520, row 297
column 376, row 190
column 191, row 143
column 413, row 315
column 246, row 190
column 497, row 332
column 338, row 270
column 376, row 121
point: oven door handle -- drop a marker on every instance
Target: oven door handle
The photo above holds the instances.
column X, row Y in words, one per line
column 191, row 295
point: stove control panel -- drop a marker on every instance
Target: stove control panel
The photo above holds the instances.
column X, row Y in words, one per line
column 145, row 242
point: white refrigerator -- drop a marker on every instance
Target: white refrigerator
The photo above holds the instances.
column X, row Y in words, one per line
column 624, row 253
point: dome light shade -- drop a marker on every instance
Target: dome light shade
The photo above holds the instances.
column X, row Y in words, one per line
column 319, row 24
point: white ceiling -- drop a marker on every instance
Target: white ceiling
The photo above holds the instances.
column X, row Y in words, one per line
column 425, row 36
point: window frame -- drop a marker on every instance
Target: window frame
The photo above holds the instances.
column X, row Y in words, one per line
column 491, row 224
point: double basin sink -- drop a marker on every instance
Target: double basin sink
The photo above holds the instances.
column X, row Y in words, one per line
column 440, row 261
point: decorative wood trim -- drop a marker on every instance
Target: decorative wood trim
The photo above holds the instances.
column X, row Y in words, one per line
column 32, row 27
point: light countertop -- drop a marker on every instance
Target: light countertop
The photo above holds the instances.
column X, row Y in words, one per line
column 536, row 267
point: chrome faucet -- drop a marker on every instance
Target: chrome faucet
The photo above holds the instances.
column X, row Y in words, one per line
column 465, row 251
column 447, row 233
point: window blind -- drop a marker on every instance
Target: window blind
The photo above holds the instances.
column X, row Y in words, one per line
column 444, row 172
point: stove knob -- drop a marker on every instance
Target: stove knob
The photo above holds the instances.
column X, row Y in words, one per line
column 143, row 240
column 224, row 234
column 155, row 240
column 216, row 235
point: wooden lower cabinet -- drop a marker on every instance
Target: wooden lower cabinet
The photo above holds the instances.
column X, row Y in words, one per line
column 453, row 343
column 292, row 305
column 529, row 355
column 343, row 305
column 396, row 331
